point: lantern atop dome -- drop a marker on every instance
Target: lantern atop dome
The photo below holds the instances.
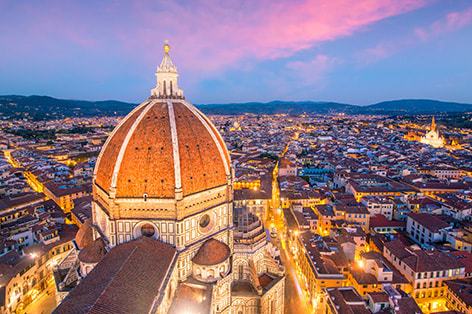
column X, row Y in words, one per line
column 166, row 75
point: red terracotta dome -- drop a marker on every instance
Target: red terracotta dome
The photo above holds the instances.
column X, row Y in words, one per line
column 212, row 252
column 84, row 235
column 93, row 252
column 161, row 147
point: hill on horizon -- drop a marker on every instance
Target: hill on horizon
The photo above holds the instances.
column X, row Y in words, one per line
column 46, row 107
column 391, row 107
column 40, row 107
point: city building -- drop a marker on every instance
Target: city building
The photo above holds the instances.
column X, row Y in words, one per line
column 426, row 270
column 344, row 300
column 372, row 271
column 459, row 295
column 27, row 272
column 426, row 228
column 316, row 262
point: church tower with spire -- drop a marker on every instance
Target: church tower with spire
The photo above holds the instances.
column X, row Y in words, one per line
column 433, row 137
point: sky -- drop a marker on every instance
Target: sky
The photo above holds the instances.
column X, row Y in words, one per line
column 351, row 51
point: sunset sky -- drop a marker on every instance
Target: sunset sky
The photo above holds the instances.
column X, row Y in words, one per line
column 358, row 52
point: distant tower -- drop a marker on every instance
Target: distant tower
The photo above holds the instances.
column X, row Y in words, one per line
column 166, row 75
column 433, row 125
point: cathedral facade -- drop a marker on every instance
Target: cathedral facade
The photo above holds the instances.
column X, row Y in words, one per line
column 432, row 137
column 164, row 237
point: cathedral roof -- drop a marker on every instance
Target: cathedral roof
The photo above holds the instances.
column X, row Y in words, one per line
column 161, row 146
column 212, row 252
column 93, row 252
column 85, row 234
column 127, row 280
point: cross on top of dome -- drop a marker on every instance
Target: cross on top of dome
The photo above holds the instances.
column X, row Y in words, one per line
column 166, row 64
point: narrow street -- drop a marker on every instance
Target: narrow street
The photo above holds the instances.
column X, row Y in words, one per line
column 295, row 301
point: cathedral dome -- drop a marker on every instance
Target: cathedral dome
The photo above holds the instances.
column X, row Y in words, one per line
column 84, row 235
column 165, row 148
column 212, row 252
column 93, row 252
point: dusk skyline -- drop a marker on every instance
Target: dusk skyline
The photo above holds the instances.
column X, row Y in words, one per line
column 357, row 52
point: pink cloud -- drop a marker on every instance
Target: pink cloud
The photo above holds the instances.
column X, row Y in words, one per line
column 212, row 35
column 383, row 50
column 451, row 22
column 314, row 70
column 206, row 36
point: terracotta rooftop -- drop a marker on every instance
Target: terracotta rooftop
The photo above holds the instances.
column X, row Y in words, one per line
column 212, row 252
column 408, row 305
column 462, row 289
column 93, row 252
column 345, row 300
column 85, row 234
column 380, row 221
column 430, row 222
column 138, row 158
column 126, row 280
column 421, row 260
column 379, row 297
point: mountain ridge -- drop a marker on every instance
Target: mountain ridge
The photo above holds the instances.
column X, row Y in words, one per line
column 41, row 107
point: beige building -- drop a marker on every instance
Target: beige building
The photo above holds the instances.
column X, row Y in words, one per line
column 25, row 274
column 427, row 272
column 163, row 209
